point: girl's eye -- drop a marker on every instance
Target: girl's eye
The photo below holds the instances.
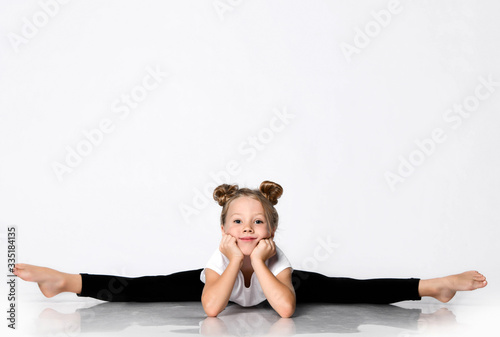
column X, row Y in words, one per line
column 259, row 221
column 237, row 221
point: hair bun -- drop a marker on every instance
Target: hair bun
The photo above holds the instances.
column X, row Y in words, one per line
column 224, row 192
column 271, row 191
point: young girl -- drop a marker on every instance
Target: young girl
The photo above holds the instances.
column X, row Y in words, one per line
column 248, row 269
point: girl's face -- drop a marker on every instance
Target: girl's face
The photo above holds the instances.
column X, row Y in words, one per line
column 246, row 221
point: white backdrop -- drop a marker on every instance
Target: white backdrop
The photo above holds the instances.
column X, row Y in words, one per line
column 379, row 118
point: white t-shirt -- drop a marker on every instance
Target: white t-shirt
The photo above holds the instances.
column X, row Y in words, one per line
column 242, row 295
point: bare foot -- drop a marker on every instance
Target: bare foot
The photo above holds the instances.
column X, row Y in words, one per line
column 444, row 288
column 51, row 282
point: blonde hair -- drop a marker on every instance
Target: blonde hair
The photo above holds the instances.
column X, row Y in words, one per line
column 268, row 195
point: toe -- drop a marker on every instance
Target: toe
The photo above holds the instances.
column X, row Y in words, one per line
column 479, row 284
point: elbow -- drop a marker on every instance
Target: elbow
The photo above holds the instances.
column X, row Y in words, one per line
column 211, row 312
column 210, row 308
column 286, row 306
column 287, row 311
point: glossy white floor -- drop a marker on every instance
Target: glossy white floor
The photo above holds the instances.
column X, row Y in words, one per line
column 471, row 314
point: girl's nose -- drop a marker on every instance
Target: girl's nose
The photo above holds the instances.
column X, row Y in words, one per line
column 248, row 229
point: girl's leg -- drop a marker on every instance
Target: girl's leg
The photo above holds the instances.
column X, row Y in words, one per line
column 314, row 287
column 183, row 286
column 178, row 287
column 318, row 288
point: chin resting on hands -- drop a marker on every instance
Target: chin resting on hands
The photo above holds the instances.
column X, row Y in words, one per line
column 265, row 249
column 229, row 248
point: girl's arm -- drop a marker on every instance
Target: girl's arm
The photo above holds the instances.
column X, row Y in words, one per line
column 218, row 288
column 278, row 289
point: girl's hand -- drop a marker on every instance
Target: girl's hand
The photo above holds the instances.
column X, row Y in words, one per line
column 230, row 249
column 264, row 250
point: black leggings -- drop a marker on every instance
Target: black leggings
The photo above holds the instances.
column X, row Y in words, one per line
column 309, row 288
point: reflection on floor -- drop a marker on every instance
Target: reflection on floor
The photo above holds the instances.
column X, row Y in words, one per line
column 94, row 318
